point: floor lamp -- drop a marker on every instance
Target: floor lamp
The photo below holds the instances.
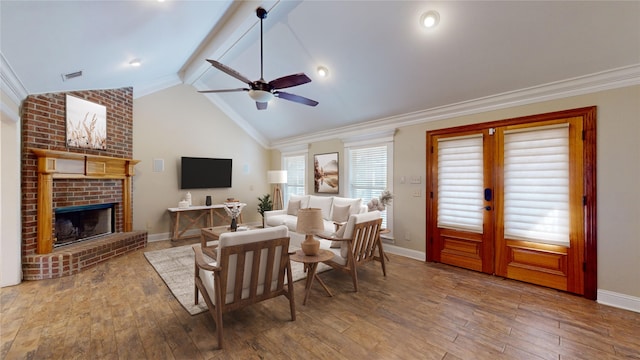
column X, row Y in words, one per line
column 277, row 177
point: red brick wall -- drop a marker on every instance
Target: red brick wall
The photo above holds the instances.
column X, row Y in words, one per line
column 44, row 126
column 75, row 192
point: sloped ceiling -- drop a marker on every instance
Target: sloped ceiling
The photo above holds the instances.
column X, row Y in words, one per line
column 382, row 64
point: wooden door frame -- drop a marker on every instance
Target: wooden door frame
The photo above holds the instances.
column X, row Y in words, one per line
column 588, row 115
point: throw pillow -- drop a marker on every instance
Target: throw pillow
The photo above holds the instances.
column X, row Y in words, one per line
column 293, row 207
column 340, row 213
column 322, row 202
column 355, row 203
column 304, row 200
column 339, row 234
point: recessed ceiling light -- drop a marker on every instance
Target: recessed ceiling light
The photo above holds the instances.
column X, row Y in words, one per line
column 323, row 71
column 135, row 62
column 430, row 19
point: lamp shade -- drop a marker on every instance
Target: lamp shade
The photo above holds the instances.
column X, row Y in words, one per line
column 310, row 221
column 277, row 176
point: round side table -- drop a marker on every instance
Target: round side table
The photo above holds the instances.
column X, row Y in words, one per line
column 310, row 265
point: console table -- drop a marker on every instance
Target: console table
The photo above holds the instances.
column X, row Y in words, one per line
column 184, row 219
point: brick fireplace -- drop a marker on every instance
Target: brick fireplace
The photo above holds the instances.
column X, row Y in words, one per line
column 57, row 179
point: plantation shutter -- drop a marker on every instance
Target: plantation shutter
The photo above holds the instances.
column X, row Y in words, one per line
column 368, row 175
column 461, row 183
column 536, row 184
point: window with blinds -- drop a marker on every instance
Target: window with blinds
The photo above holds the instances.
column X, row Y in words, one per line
column 460, row 183
column 536, row 184
column 368, row 170
column 295, row 166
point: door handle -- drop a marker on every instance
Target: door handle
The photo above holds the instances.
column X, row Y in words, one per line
column 487, row 195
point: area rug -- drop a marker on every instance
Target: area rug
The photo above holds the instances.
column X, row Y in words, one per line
column 176, row 265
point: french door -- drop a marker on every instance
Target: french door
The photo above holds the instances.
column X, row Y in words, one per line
column 516, row 198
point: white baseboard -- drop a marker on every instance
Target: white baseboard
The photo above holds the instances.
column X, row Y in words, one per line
column 158, row 237
column 413, row 254
column 619, row 300
column 167, row 236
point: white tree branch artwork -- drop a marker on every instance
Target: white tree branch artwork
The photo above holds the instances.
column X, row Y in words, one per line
column 86, row 124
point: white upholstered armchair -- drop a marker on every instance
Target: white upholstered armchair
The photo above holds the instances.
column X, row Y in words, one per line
column 355, row 243
column 250, row 266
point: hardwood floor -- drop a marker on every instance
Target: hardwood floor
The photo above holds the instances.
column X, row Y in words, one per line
column 121, row 309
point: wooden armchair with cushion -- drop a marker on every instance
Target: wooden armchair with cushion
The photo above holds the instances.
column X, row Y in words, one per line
column 250, row 267
column 355, row 243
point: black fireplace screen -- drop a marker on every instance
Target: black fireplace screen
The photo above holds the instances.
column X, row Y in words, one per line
column 80, row 223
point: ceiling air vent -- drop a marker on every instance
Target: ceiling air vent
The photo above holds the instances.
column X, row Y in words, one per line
column 72, row 75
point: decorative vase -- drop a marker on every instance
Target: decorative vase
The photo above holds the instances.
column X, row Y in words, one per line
column 310, row 246
column 234, row 224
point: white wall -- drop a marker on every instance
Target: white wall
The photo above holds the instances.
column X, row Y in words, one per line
column 177, row 122
column 618, row 179
column 10, row 225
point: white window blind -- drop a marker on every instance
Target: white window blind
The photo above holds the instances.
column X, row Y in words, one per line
column 295, row 166
column 461, row 183
column 536, row 184
column 368, row 174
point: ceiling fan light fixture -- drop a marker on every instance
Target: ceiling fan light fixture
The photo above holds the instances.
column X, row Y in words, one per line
column 323, row 71
column 261, row 91
column 430, row 19
column 135, row 62
column 261, row 95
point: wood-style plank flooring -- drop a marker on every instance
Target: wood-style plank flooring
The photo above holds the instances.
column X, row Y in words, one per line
column 123, row 310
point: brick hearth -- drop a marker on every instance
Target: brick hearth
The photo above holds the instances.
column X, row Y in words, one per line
column 71, row 259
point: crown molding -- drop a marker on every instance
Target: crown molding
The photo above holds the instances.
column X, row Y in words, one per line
column 294, row 150
column 369, row 138
column 236, row 23
column 11, row 84
column 239, row 120
column 162, row 83
column 601, row 81
column 7, row 111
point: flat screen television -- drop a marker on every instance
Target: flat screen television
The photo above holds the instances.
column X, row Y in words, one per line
column 205, row 173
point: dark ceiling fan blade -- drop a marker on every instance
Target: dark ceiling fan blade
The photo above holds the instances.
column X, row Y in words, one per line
column 260, row 89
column 223, row 90
column 289, row 81
column 229, row 71
column 295, row 98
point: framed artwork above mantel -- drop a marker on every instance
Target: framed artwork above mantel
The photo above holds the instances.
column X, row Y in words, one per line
column 86, row 124
column 326, row 173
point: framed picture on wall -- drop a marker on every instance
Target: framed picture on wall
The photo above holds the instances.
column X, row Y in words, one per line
column 326, row 177
column 86, row 124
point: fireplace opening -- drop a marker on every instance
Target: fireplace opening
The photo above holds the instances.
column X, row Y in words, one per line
column 80, row 223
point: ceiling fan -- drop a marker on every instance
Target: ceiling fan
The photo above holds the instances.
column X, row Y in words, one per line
column 261, row 91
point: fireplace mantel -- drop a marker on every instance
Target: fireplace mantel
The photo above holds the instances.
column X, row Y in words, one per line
column 68, row 165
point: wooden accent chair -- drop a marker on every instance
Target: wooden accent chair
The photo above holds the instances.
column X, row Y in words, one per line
column 355, row 244
column 250, row 267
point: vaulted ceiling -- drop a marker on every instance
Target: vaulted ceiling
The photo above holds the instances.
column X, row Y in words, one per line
column 382, row 63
